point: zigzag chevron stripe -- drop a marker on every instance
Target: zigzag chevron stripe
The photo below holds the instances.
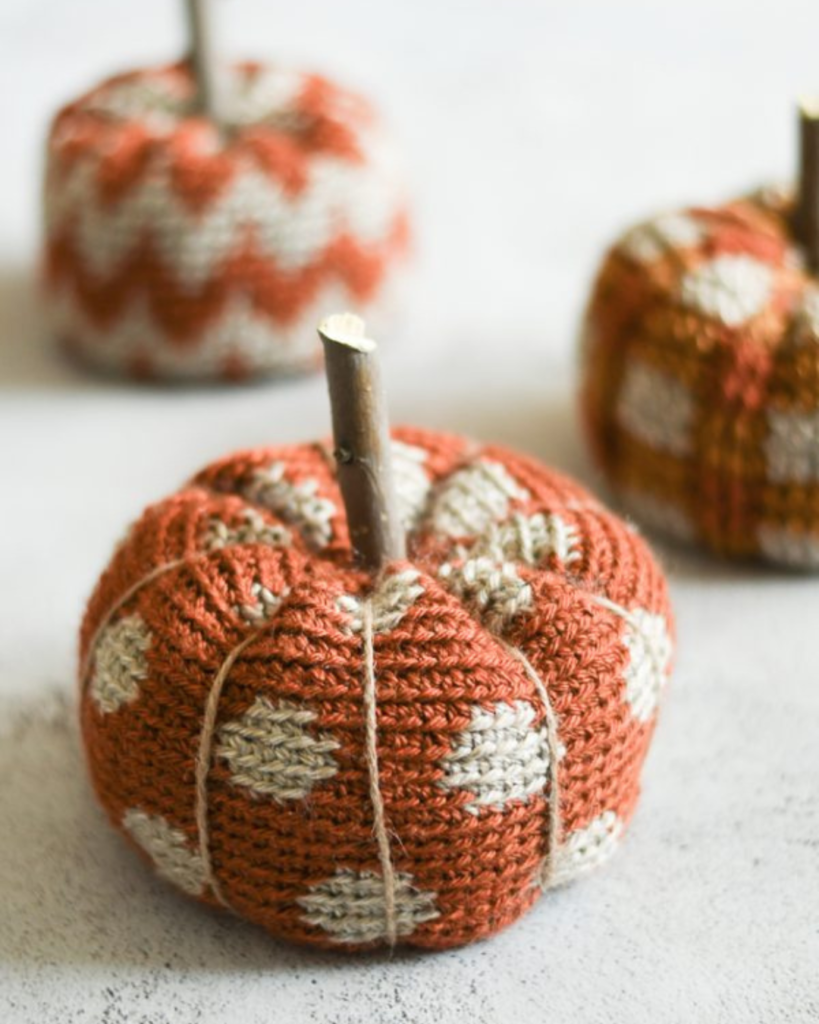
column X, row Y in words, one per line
column 237, row 344
column 171, row 249
column 181, row 312
column 292, row 230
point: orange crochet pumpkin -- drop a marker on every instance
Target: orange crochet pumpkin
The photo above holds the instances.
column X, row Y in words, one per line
column 176, row 251
column 518, row 656
column 701, row 379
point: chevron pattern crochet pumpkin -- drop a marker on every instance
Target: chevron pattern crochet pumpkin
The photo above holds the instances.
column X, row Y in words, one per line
column 223, row 706
column 175, row 251
column 701, row 379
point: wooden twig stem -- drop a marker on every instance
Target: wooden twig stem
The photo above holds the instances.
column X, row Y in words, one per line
column 806, row 220
column 362, row 441
column 209, row 85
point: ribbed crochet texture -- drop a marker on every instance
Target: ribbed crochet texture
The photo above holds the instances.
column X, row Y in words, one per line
column 172, row 251
column 701, row 379
column 352, row 762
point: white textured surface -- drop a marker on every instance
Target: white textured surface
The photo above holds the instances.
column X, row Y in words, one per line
column 709, row 912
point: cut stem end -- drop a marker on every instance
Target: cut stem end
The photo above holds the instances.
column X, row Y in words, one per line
column 362, row 441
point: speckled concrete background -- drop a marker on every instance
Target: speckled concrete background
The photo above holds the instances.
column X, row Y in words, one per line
column 602, row 112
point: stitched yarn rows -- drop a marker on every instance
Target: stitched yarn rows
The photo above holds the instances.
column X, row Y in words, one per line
column 178, row 251
column 701, row 379
column 517, row 583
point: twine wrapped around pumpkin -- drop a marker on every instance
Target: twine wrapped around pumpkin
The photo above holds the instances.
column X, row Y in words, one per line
column 701, row 379
column 352, row 760
column 178, row 248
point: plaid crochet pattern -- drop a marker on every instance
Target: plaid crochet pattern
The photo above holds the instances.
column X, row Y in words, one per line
column 701, row 379
column 174, row 251
column 224, row 707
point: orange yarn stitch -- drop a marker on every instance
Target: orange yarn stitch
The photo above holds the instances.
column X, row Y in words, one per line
column 173, row 251
column 243, row 581
column 701, row 379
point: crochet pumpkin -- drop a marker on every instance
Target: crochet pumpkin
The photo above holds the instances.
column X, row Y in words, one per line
column 178, row 250
column 701, row 379
column 354, row 758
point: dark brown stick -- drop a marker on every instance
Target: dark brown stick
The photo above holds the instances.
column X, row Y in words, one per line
column 209, row 92
column 806, row 221
column 362, row 441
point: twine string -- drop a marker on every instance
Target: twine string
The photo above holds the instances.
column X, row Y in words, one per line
column 123, row 599
column 370, row 701
column 371, row 756
column 555, row 825
column 204, row 757
column 205, row 746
